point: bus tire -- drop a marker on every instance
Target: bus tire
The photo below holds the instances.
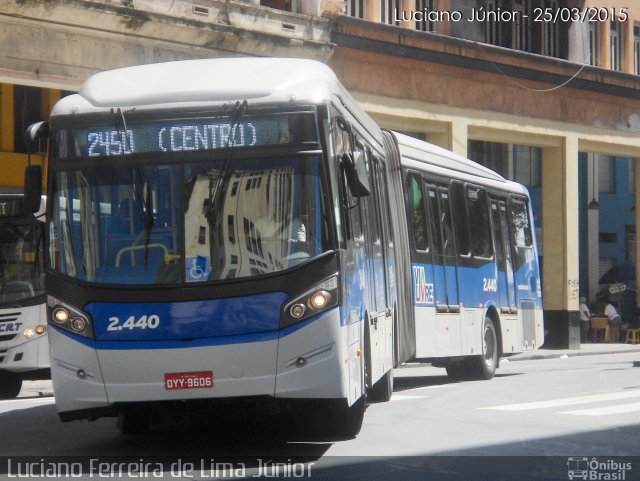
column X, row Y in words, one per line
column 459, row 371
column 131, row 423
column 10, row 385
column 485, row 366
column 383, row 389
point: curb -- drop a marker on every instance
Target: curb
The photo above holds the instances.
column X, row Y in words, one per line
column 556, row 354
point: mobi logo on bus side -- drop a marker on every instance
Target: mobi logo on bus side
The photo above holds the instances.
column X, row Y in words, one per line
column 423, row 291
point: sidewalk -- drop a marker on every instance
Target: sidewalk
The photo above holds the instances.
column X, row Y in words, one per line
column 586, row 349
column 36, row 389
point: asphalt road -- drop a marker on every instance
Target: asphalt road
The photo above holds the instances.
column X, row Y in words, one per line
column 551, row 418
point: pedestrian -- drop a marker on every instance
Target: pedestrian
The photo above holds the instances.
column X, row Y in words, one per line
column 585, row 319
column 614, row 319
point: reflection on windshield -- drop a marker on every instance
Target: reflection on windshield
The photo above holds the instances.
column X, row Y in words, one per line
column 193, row 222
column 251, row 221
column 21, row 273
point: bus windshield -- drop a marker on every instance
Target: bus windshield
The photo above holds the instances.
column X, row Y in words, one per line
column 21, row 265
column 208, row 220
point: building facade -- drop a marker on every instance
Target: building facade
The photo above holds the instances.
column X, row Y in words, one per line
column 544, row 91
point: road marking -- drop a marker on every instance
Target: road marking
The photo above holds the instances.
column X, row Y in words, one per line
column 607, row 410
column 552, row 403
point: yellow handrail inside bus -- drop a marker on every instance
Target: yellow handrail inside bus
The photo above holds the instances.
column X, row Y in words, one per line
column 124, row 250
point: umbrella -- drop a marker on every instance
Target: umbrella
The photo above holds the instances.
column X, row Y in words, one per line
column 619, row 273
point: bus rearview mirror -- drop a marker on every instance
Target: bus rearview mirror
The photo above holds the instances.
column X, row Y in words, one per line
column 356, row 171
column 35, row 132
column 33, row 187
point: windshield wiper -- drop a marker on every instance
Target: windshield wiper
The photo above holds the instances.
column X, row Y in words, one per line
column 146, row 212
column 216, row 194
column 119, row 118
column 145, row 201
column 218, row 189
column 148, row 222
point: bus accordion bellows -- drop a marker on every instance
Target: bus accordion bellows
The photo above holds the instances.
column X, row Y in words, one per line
column 240, row 228
column 24, row 349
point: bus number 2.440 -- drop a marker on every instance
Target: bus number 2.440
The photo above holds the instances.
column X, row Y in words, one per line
column 143, row 322
column 489, row 285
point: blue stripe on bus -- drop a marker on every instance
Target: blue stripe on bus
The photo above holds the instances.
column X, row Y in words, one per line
column 189, row 343
column 477, row 286
column 236, row 316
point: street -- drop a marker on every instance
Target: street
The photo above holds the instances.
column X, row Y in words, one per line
column 538, row 418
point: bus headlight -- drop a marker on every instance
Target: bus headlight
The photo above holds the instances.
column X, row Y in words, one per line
column 68, row 318
column 321, row 297
column 78, row 324
column 297, row 311
column 60, row 315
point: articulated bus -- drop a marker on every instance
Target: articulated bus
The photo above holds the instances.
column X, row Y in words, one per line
column 235, row 230
column 24, row 349
column 476, row 285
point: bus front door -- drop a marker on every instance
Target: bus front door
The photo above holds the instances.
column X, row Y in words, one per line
column 504, row 262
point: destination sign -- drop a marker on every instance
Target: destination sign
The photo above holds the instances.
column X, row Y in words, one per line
column 190, row 135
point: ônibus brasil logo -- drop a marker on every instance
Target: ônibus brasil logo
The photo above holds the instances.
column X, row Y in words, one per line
column 593, row 469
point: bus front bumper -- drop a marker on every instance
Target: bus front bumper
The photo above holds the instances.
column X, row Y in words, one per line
column 305, row 361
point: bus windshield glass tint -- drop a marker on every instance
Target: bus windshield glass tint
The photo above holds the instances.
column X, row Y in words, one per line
column 155, row 223
column 21, row 264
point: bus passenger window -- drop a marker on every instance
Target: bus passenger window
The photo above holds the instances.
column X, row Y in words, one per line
column 497, row 233
column 433, row 219
column 417, row 217
column 479, row 223
column 460, row 219
column 521, row 232
column 445, row 223
column 520, row 224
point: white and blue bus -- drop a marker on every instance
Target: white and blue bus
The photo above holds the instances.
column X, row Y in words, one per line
column 476, row 285
column 24, row 349
column 233, row 229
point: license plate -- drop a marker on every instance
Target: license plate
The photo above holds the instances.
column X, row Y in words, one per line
column 188, row 380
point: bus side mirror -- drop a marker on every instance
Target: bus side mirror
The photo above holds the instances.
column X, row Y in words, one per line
column 33, row 187
column 356, row 172
column 33, row 173
column 35, row 132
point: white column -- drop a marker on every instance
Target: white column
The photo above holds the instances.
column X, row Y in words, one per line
column 560, row 243
column 459, row 138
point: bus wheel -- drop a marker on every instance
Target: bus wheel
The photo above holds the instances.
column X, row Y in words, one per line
column 131, row 423
column 383, row 389
column 10, row 385
column 486, row 365
column 458, row 371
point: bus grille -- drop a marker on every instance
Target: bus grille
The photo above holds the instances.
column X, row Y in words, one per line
column 528, row 324
column 8, row 317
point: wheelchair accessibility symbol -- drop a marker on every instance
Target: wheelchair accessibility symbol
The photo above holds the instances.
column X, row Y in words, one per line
column 198, row 268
